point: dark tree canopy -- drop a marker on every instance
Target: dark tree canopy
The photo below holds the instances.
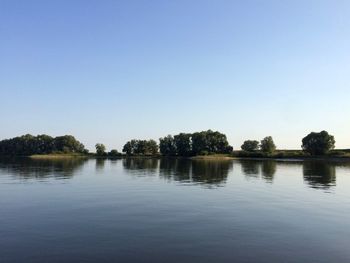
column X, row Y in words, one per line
column 167, row 146
column 186, row 144
column 141, row 147
column 100, row 149
column 114, row 153
column 267, row 145
column 318, row 143
column 210, row 142
column 250, row 146
column 183, row 144
column 41, row 144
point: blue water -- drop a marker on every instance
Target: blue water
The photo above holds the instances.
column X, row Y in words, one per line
column 149, row 210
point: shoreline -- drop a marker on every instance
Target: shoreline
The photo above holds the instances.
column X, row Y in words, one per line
column 214, row 157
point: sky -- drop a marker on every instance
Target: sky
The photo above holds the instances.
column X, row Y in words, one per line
column 111, row 71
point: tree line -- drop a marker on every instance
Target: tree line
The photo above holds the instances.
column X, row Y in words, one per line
column 41, row 144
column 182, row 144
column 214, row 142
column 315, row 143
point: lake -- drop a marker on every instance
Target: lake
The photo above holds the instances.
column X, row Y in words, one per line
column 173, row 210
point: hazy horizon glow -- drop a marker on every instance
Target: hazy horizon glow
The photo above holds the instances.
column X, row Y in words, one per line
column 111, row 71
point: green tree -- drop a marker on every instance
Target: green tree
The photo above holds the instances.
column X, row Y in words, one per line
column 100, row 149
column 141, row 147
column 114, row 153
column 250, row 146
column 267, row 145
column 318, row 143
column 209, row 142
column 129, row 147
column 183, row 144
column 151, row 147
column 167, row 145
column 41, row 144
column 68, row 143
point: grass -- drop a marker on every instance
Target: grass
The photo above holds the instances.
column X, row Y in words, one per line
column 213, row 157
column 342, row 154
column 58, row 156
column 292, row 154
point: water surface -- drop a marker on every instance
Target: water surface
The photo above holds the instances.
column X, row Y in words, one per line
column 149, row 210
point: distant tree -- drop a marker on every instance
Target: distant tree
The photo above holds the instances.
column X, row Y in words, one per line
column 141, row 147
column 41, row 144
column 200, row 143
column 167, row 145
column 45, row 144
column 267, row 145
column 114, row 153
column 318, row 143
column 250, row 146
column 68, row 143
column 100, row 149
column 129, row 147
column 210, row 142
column 151, row 147
column 183, row 144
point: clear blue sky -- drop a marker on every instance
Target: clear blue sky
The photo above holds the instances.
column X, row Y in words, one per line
column 110, row 71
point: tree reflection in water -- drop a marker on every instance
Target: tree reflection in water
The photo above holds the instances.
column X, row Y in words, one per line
column 100, row 164
column 175, row 169
column 206, row 172
column 27, row 168
column 319, row 174
column 250, row 168
column 268, row 170
column 255, row 168
column 211, row 173
column 141, row 166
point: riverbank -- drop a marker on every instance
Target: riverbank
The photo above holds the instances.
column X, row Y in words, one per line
column 59, row 156
column 213, row 157
column 336, row 155
column 293, row 154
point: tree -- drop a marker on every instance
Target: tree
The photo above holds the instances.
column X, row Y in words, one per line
column 40, row 144
column 129, row 147
column 267, row 145
column 318, row 143
column 209, row 142
column 100, row 149
column 167, row 145
column 151, row 147
column 250, row 146
column 183, row 144
column 141, row 147
column 68, row 143
column 114, row 153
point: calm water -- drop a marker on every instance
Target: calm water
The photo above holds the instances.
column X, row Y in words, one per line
column 147, row 210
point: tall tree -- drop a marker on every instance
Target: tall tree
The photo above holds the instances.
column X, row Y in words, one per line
column 41, row 144
column 267, row 145
column 141, row 147
column 210, row 142
column 183, row 144
column 167, row 145
column 100, row 149
column 318, row 143
column 250, row 146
